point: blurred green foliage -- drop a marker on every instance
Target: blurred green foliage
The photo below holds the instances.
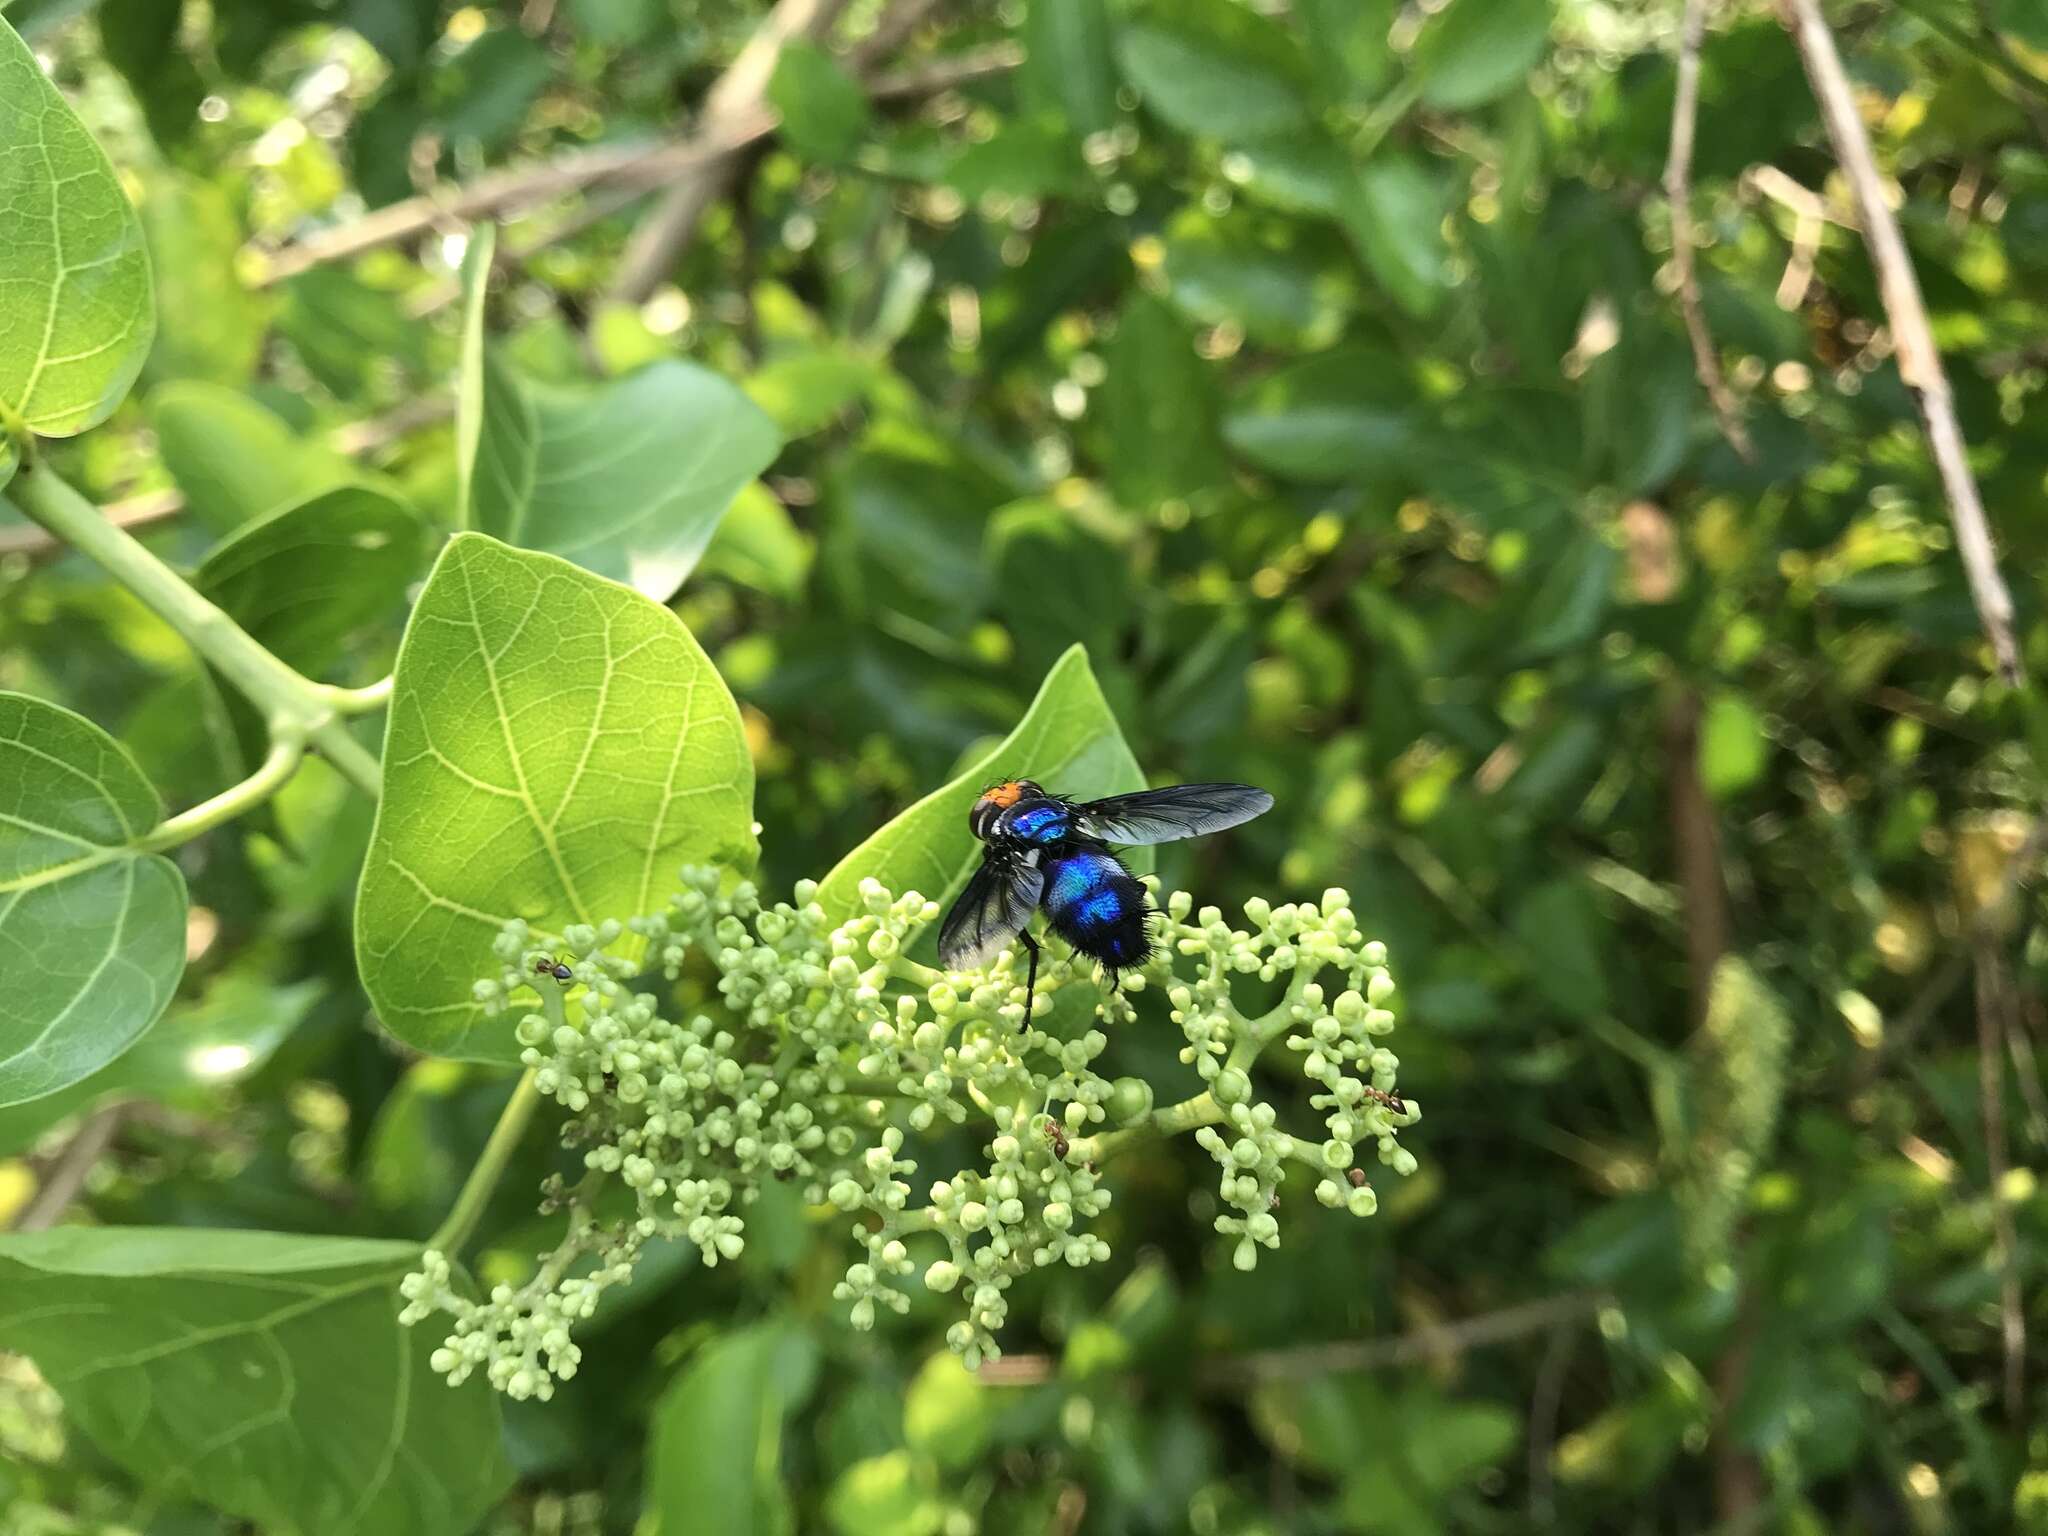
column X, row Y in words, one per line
column 1314, row 365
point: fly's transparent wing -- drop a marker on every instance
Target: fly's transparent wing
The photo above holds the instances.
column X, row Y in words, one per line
column 1162, row 815
column 992, row 911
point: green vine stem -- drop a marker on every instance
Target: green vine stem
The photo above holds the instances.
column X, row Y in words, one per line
column 287, row 750
column 483, row 1178
column 293, row 707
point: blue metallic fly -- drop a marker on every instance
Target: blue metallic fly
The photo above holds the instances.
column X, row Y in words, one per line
column 1045, row 850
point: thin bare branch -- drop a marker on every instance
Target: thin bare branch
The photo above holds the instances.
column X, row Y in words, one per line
column 1350, row 1354
column 947, row 73
column 64, row 1179
column 499, row 194
column 1994, row 1003
column 137, row 512
column 1919, row 361
column 1685, row 111
column 739, row 95
column 1404, row 1349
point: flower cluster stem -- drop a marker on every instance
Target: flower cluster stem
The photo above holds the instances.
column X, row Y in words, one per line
column 293, row 707
column 483, row 1179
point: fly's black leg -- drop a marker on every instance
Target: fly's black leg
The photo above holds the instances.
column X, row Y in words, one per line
column 1031, row 978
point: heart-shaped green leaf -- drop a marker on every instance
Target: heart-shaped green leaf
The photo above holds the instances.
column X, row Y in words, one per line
column 261, row 1374
column 308, row 576
column 1068, row 740
column 558, row 746
column 94, row 932
column 74, row 275
column 627, row 479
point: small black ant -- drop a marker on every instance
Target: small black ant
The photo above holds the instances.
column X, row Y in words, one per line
column 546, row 967
column 1391, row 1100
column 1056, row 1138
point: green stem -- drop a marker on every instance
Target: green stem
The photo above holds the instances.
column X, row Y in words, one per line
column 490, row 1166
column 291, row 705
column 360, row 701
column 1187, row 1115
column 286, row 752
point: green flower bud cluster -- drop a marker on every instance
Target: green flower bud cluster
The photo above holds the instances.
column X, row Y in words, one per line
column 1338, row 1040
column 824, row 1046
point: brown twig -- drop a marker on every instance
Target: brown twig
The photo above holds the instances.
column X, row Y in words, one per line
column 1696, row 848
column 1544, row 1404
column 65, row 1178
column 1987, row 922
column 1918, row 360
column 1994, row 1002
column 151, row 507
column 945, row 74
column 501, row 193
column 1303, row 1360
column 738, row 95
column 1685, row 111
column 1404, row 1349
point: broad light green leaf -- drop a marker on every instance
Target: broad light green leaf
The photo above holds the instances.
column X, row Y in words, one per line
column 1067, row 63
column 1475, row 50
column 74, row 276
column 193, row 1050
column 1159, row 409
column 210, row 326
column 558, row 746
column 807, row 387
column 627, row 479
column 1068, row 740
column 885, row 1496
column 1332, row 417
column 262, row 1374
column 309, row 576
column 1199, row 85
column 469, row 376
column 234, row 460
column 1733, row 748
column 824, row 113
column 947, row 1413
column 94, row 934
column 715, row 1447
column 758, row 545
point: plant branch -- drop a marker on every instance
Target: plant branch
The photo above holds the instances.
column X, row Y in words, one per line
column 1918, row 360
column 1678, row 192
column 1307, row 1360
column 360, row 701
column 1994, row 1002
column 152, row 507
column 287, row 750
column 483, row 1178
column 739, row 95
column 68, row 1172
column 500, row 194
column 1188, row 1114
column 293, row 707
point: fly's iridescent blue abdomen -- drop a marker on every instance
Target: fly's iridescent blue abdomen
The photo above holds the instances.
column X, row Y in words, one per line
column 1096, row 905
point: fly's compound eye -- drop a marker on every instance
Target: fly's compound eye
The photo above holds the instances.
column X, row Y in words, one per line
column 982, row 819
